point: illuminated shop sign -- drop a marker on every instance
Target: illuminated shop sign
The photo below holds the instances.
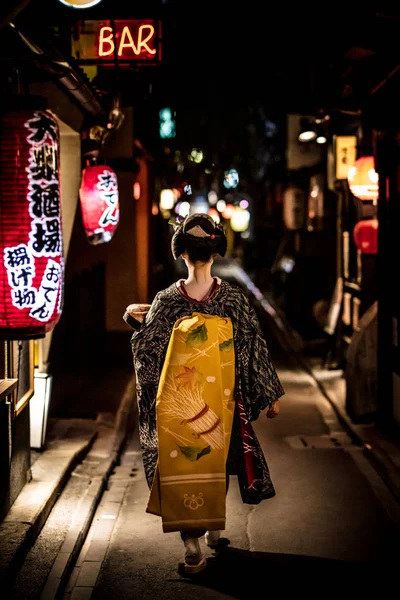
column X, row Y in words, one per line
column 31, row 246
column 97, row 42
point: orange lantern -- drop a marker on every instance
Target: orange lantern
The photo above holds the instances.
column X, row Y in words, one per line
column 363, row 179
column 365, row 235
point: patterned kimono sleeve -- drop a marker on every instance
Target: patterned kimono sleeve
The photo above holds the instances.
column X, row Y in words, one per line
column 149, row 343
column 264, row 382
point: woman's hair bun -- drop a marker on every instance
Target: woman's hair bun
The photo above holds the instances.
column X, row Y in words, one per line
column 198, row 232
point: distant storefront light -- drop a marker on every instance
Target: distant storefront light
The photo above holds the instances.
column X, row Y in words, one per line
column 240, row 219
column 199, row 205
column 184, row 209
column 80, row 3
column 221, row 205
column 212, row 197
column 196, row 155
column 321, row 139
column 39, row 409
column 228, row 212
column 214, row 214
column 231, row 179
column 244, row 204
column 167, row 199
column 167, row 126
column 136, row 190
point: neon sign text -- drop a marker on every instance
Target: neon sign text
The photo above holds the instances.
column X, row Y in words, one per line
column 107, row 45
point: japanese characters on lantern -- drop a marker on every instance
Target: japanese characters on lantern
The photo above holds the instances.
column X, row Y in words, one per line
column 32, row 266
column 99, row 199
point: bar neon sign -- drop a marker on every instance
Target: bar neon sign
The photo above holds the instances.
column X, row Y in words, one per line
column 124, row 41
column 128, row 44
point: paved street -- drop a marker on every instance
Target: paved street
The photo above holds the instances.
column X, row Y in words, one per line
column 332, row 526
column 327, row 528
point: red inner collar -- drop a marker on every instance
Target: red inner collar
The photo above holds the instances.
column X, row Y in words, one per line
column 208, row 296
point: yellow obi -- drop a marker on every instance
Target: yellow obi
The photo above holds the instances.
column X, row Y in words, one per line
column 194, row 406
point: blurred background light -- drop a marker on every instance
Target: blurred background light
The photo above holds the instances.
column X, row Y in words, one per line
column 221, row 205
column 167, row 199
column 240, row 219
column 228, row 211
column 167, row 124
column 231, row 179
column 321, row 137
column 212, row 197
column 196, row 155
column 307, row 131
column 184, row 209
column 136, row 190
column 214, row 214
column 200, row 205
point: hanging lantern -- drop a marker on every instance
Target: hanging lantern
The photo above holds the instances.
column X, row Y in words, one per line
column 31, row 245
column 363, row 179
column 99, row 200
column 365, row 235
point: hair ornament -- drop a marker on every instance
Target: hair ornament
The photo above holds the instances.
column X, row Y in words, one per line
column 177, row 222
column 198, row 231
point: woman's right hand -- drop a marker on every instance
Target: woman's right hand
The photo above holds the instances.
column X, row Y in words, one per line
column 273, row 410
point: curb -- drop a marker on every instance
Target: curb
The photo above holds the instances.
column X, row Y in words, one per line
column 108, row 449
column 376, row 454
column 22, row 524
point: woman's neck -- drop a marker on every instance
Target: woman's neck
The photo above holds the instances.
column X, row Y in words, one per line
column 199, row 274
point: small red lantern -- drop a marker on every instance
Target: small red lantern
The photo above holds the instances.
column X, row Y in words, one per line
column 365, row 235
column 31, row 245
column 363, row 179
column 99, row 199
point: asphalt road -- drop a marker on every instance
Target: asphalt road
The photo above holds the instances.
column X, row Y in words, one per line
column 324, row 531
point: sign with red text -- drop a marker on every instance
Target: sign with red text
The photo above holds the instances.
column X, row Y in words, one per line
column 122, row 42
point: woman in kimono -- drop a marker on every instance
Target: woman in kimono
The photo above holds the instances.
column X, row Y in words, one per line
column 203, row 374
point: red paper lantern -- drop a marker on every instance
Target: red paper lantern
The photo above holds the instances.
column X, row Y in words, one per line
column 31, row 245
column 365, row 235
column 99, row 203
column 363, row 179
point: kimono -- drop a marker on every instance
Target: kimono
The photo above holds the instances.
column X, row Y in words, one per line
column 256, row 381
